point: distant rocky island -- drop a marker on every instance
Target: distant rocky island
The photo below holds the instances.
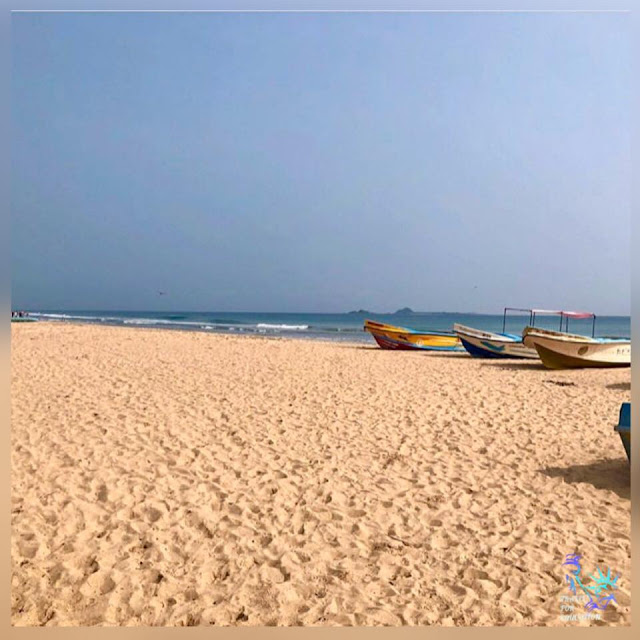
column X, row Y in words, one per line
column 400, row 312
column 407, row 311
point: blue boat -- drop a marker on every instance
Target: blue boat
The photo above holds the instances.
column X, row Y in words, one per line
column 624, row 427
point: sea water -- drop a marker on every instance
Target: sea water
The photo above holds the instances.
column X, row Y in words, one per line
column 327, row 326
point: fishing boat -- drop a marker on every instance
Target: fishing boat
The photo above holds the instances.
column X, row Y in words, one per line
column 559, row 350
column 624, row 427
column 487, row 344
column 391, row 337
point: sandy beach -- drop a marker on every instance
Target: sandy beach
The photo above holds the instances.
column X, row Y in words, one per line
column 181, row 478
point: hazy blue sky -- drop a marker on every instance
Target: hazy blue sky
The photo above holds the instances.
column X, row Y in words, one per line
column 321, row 162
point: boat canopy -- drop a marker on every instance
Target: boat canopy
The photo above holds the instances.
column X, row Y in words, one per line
column 564, row 317
column 569, row 314
column 578, row 314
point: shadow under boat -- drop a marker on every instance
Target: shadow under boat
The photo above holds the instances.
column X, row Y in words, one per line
column 515, row 364
column 449, row 354
column 619, row 386
column 431, row 353
column 612, row 474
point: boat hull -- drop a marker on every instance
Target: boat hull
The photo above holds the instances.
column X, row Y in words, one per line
column 485, row 344
column 570, row 351
column 625, row 436
column 624, row 427
column 402, row 339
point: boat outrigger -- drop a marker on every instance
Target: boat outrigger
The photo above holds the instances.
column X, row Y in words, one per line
column 401, row 338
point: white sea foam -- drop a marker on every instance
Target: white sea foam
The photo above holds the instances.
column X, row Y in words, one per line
column 63, row 316
column 288, row 327
column 160, row 321
column 147, row 321
column 51, row 315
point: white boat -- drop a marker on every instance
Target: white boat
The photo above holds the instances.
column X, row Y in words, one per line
column 486, row 344
column 489, row 344
column 559, row 350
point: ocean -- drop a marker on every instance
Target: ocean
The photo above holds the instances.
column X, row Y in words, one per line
column 325, row 326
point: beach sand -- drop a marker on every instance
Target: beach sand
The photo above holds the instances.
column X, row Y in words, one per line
column 176, row 478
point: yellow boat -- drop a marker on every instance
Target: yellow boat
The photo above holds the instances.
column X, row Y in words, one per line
column 390, row 337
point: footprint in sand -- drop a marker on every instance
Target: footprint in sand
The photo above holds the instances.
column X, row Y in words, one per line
column 102, row 493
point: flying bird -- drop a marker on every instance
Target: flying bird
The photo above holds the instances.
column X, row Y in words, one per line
column 162, row 293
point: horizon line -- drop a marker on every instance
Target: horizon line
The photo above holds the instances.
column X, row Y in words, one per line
column 351, row 312
column 320, row 10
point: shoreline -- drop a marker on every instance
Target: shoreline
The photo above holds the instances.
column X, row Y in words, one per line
column 164, row 478
column 231, row 334
column 330, row 327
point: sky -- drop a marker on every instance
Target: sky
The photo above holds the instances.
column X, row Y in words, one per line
column 321, row 162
